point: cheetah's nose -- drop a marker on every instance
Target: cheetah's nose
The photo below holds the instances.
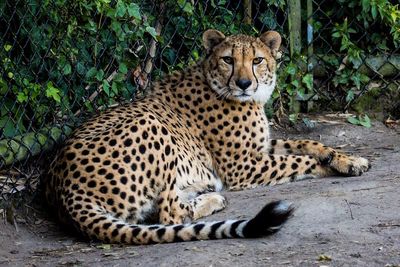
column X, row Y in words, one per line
column 243, row 83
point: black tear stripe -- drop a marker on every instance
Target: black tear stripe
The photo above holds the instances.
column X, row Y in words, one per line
column 214, row 229
column 233, row 69
column 252, row 66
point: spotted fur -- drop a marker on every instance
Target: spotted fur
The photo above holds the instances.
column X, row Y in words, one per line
column 164, row 158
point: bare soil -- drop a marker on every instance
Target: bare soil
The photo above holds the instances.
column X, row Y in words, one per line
column 353, row 221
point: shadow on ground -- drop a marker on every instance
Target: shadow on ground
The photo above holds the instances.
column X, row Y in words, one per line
column 338, row 221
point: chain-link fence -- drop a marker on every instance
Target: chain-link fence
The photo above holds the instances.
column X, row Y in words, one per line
column 62, row 60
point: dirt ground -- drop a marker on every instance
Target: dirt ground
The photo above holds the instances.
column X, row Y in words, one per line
column 338, row 221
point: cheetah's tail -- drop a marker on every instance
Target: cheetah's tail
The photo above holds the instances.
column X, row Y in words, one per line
column 267, row 221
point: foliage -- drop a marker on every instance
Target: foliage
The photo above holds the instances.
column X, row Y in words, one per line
column 360, row 29
column 62, row 53
column 360, row 120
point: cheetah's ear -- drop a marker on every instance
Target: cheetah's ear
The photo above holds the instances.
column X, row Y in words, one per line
column 273, row 40
column 212, row 38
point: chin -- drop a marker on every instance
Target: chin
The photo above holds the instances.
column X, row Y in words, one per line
column 243, row 98
column 264, row 92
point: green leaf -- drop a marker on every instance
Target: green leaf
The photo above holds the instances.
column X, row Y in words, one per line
column 336, row 34
column 374, row 11
column 91, row 72
column 295, row 83
column 134, row 11
column 291, row 69
column 100, row 75
column 366, row 121
column 353, row 120
column 7, row 127
column 52, row 92
column 22, row 97
column 7, row 47
column 106, row 87
column 308, row 81
column 151, row 31
column 114, row 88
column 80, row 68
column 122, row 68
column 67, row 69
column 120, row 9
column 350, row 96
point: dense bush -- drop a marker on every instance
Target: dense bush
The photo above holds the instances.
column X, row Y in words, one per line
column 56, row 54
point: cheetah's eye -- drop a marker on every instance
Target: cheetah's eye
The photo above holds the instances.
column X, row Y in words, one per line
column 257, row 60
column 228, row 60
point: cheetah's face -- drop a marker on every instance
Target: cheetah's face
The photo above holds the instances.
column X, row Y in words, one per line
column 241, row 67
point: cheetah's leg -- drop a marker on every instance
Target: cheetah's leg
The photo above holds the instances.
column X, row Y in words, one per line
column 172, row 210
column 202, row 198
column 276, row 169
column 340, row 162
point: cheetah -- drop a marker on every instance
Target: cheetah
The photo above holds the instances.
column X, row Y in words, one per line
column 165, row 158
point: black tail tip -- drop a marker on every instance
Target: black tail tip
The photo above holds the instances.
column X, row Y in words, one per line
column 269, row 219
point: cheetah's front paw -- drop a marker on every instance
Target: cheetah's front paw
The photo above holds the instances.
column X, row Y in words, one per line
column 350, row 165
column 207, row 204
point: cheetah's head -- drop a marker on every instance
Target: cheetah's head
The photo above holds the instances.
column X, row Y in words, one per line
column 241, row 67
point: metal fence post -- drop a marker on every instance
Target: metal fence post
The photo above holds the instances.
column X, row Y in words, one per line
column 294, row 19
column 310, row 53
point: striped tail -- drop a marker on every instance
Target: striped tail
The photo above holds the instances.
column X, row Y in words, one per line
column 267, row 221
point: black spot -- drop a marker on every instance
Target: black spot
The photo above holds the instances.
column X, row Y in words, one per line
column 134, row 129
column 214, row 131
column 142, row 149
column 128, row 142
column 78, row 145
column 92, row 184
column 124, row 180
column 115, row 190
column 112, row 142
column 133, row 166
column 101, row 150
column 167, row 150
column 114, row 232
column 101, row 171
column 109, row 176
column 164, row 130
column 106, row 226
column 127, row 159
column 70, row 156
column 103, row 189
column 282, row 166
column 89, row 168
